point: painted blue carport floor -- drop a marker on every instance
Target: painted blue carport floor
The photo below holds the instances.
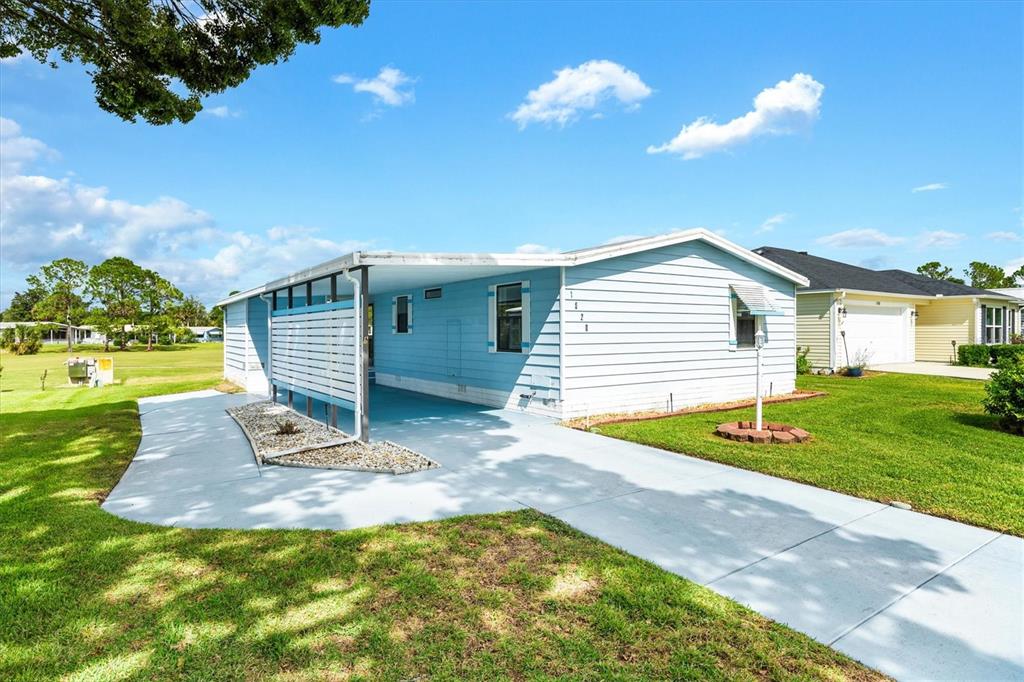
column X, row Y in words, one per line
column 914, row 596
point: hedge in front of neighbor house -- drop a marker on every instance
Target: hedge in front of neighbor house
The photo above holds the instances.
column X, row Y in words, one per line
column 973, row 355
column 1006, row 350
column 980, row 355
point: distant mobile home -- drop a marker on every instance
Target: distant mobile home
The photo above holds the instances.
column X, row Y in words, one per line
column 655, row 323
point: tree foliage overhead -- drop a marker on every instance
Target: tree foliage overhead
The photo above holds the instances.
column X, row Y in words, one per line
column 980, row 275
column 937, row 270
column 139, row 52
column 987, row 276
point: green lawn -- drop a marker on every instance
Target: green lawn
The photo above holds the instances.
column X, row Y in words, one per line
column 88, row 596
column 917, row 439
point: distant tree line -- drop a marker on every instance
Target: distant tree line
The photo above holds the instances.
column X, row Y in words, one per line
column 980, row 275
column 118, row 298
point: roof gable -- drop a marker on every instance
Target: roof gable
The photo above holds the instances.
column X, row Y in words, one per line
column 824, row 273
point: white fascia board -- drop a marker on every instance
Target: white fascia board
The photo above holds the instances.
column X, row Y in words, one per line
column 525, row 260
column 240, row 296
column 637, row 245
column 316, row 272
column 865, row 292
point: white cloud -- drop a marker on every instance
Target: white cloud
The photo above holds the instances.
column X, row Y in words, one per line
column 772, row 223
column 581, row 88
column 863, row 237
column 222, row 111
column 1013, row 265
column 17, row 150
column 1004, row 236
column 536, row 249
column 43, row 218
column 784, row 109
column 390, row 86
column 940, row 238
column 930, row 188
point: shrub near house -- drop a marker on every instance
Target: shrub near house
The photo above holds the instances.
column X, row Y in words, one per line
column 982, row 355
column 1005, row 391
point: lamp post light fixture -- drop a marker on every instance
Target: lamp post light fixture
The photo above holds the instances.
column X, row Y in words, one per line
column 758, row 344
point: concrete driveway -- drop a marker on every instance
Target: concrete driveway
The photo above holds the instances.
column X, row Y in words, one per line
column 912, row 595
column 936, row 369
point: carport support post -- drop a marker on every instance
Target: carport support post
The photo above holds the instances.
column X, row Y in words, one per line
column 364, row 353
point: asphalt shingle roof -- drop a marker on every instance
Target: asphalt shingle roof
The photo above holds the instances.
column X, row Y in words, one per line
column 830, row 274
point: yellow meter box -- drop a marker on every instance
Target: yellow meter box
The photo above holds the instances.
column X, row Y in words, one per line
column 104, row 371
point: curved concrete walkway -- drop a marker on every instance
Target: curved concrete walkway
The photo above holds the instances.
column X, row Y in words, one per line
column 914, row 596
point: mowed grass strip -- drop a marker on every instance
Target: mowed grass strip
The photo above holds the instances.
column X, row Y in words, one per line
column 85, row 595
column 917, row 439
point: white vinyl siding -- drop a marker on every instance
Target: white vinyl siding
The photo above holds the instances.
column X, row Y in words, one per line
column 814, row 327
column 245, row 344
column 237, row 342
column 651, row 330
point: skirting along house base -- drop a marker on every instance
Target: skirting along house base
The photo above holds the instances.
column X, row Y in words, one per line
column 657, row 323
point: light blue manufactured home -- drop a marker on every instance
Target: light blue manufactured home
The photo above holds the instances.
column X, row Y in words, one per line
column 658, row 323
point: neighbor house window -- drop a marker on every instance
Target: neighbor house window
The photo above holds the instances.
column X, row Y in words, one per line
column 510, row 318
column 993, row 325
column 402, row 317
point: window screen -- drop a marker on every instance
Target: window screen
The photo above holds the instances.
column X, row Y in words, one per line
column 402, row 315
column 746, row 326
column 509, row 299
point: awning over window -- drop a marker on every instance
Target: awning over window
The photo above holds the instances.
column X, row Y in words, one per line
column 754, row 298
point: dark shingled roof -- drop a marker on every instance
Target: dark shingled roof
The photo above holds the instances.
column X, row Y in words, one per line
column 830, row 274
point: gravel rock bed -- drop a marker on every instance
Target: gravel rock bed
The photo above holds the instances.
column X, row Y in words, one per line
column 260, row 422
column 380, row 456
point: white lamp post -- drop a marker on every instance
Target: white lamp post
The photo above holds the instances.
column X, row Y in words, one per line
column 758, row 344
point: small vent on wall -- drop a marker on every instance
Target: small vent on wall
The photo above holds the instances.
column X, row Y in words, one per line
column 432, row 293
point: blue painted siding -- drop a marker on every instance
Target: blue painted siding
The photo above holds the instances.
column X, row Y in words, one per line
column 257, row 320
column 448, row 342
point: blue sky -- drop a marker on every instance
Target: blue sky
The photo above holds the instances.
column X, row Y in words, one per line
column 416, row 145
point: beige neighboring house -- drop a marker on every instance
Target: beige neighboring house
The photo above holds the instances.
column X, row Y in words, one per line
column 848, row 313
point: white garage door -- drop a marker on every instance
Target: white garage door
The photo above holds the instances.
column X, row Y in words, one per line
column 882, row 332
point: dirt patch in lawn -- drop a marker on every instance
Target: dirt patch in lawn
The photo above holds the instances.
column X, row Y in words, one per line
column 585, row 423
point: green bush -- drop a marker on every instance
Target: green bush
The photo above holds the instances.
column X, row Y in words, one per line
column 803, row 365
column 21, row 340
column 1005, row 391
column 1006, row 351
column 973, row 355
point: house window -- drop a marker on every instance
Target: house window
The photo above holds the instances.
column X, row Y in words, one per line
column 993, row 325
column 509, row 314
column 432, row 293
column 402, row 310
column 746, row 325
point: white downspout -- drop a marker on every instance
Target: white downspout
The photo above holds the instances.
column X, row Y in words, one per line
column 270, row 344
column 357, row 315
